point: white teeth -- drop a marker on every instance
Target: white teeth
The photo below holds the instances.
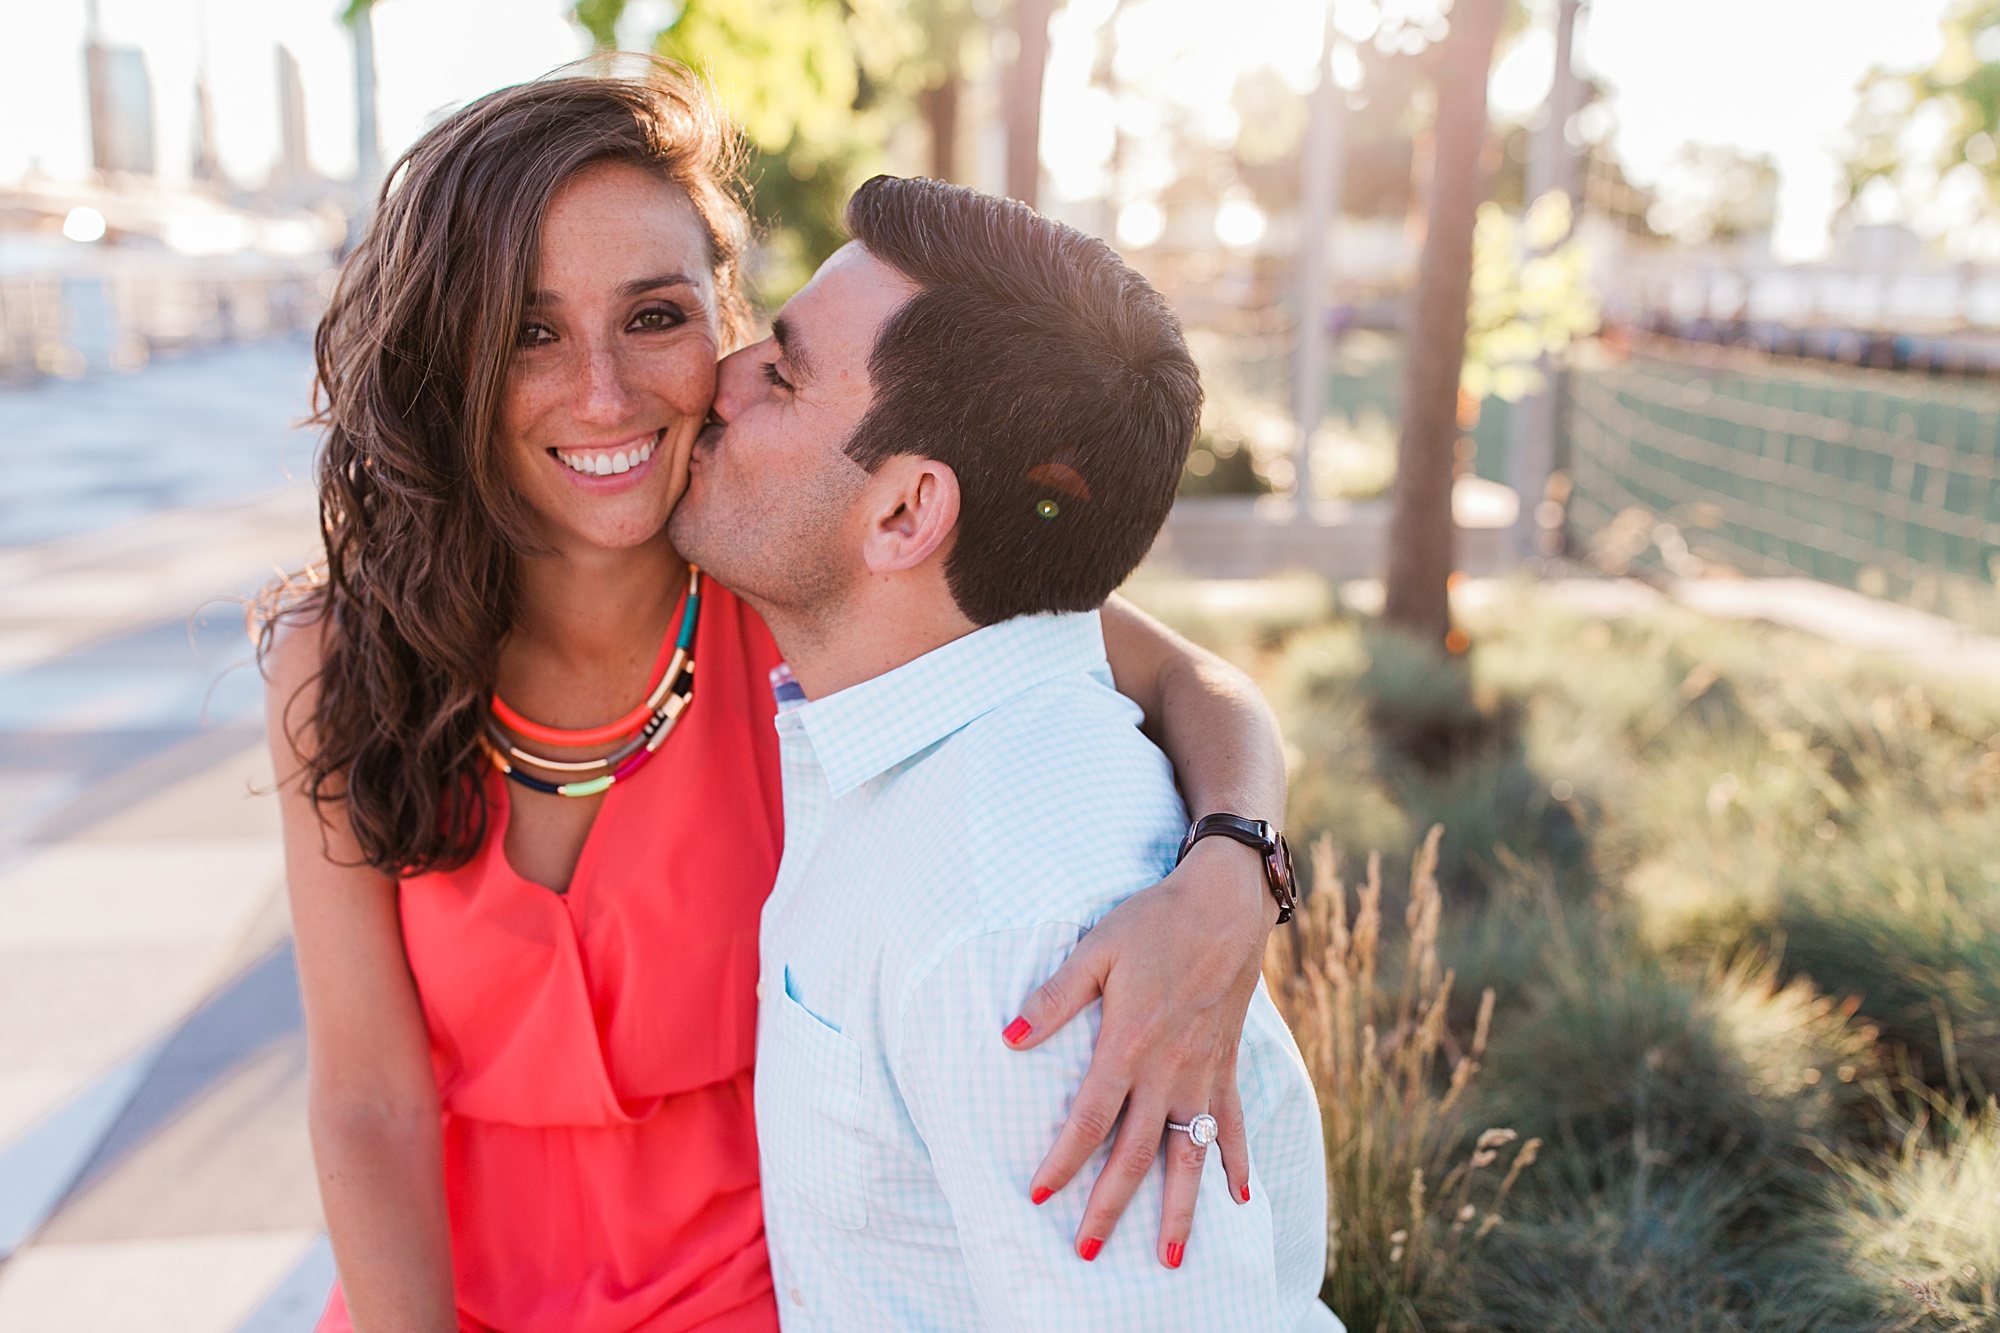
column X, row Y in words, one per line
column 606, row 465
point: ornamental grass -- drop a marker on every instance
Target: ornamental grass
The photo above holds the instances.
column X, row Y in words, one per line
column 1734, row 894
column 1411, row 1191
column 1917, row 1237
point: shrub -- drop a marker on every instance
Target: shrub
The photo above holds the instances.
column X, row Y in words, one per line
column 1639, row 1251
column 1719, row 876
column 1919, row 1238
column 1422, row 703
column 1901, row 909
column 1732, row 1069
column 1497, row 812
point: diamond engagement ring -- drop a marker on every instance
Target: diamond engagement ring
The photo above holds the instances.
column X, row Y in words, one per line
column 1201, row 1129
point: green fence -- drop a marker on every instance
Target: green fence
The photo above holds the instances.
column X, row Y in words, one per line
column 1686, row 457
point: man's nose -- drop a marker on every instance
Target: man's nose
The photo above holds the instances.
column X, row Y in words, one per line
column 738, row 382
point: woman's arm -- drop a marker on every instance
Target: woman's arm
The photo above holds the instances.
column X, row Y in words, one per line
column 372, row 1098
column 1177, row 964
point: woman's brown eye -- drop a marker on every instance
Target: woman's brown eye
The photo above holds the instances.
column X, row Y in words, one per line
column 659, row 317
column 534, row 335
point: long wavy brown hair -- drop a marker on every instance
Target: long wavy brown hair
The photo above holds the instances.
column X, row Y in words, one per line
column 416, row 589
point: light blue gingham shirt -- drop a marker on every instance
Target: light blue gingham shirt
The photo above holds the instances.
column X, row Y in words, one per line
column 952, row 827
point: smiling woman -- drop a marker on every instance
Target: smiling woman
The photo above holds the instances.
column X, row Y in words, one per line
column 511, row 374
column 607, row 344
column 488, row 300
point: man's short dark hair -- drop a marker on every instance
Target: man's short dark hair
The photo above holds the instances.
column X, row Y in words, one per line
column 1052, row 380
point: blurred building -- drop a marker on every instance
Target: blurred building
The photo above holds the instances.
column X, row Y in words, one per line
column 293, row 172
column 121, row 108
column 108, row 271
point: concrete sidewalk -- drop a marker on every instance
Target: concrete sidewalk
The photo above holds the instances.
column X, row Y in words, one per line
column 154, row 1171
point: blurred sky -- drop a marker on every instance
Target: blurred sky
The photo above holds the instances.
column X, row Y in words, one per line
column 1770, row 76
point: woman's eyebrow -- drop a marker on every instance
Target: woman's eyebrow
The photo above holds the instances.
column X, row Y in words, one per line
column 637, row 287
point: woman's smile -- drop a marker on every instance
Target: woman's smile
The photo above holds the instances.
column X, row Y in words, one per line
column 609, row 467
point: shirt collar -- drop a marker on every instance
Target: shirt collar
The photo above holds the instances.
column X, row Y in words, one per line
column 865, row 730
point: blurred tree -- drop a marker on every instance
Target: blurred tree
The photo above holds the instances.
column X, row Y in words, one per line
column 359, row 16
column 1273, row 117
column 1531, row 298
column 790, row 74
column 950, row 47
column 1021, row 98
column 1715, row 192
column 1960, row 91
column 817, row 86
column 1608, row 193
column 1422, row 539
column 1386, row 114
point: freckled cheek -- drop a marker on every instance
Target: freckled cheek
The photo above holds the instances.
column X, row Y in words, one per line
column 517, row 449
column 687, row 378
column 524, row 401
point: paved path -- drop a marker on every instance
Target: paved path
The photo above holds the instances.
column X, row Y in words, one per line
column 84, row 455
column 154, row 1171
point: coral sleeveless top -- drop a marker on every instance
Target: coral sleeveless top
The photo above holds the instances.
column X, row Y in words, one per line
column 593, row 1049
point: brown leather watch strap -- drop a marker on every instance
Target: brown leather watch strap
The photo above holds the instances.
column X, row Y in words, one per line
column 1265, row 840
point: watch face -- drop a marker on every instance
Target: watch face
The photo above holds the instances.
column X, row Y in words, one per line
column 1279, row 863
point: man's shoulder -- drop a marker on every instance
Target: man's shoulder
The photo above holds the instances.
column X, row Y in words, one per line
column 1060, row 805
column 1071, row 744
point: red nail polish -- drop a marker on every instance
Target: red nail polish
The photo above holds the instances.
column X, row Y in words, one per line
column 1174, row 1253
column 1090, row 1248
column 1016, row 1031
column 1246, row 1191
column 1041, row 1195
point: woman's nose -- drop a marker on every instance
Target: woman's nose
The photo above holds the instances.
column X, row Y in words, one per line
column 607, row 398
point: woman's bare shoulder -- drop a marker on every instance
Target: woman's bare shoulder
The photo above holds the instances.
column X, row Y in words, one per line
column 291, row 653
column 293, row 645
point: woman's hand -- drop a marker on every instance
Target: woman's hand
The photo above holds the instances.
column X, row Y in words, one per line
column 1176, row 966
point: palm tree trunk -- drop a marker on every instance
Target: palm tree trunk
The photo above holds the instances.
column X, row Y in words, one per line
column 939, row 105
column 1422, row 541
column 1023, row 99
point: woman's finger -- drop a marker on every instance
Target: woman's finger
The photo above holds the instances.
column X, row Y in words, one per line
column 1133, row 1154
column 1185, row 1162
column 1092, row 1117
column 1232, row 1138
column 1062, row 997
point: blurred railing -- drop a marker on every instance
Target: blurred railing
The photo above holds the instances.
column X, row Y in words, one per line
column 1686, row 458
column 71, row 323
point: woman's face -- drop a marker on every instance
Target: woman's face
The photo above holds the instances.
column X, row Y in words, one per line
column 614, row 366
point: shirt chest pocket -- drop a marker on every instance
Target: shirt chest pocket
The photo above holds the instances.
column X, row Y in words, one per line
column 809, row 1114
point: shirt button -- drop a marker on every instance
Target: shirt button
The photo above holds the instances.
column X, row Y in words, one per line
column 760, row 988
column 795, row 1297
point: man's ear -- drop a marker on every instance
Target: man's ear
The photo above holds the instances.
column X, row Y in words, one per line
column 912, row 513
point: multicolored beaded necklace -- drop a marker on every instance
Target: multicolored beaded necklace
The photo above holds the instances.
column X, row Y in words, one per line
column 640, row 733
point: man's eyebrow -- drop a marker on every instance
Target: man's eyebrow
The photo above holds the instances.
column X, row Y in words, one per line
column 787, row 334
column 636, row 287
